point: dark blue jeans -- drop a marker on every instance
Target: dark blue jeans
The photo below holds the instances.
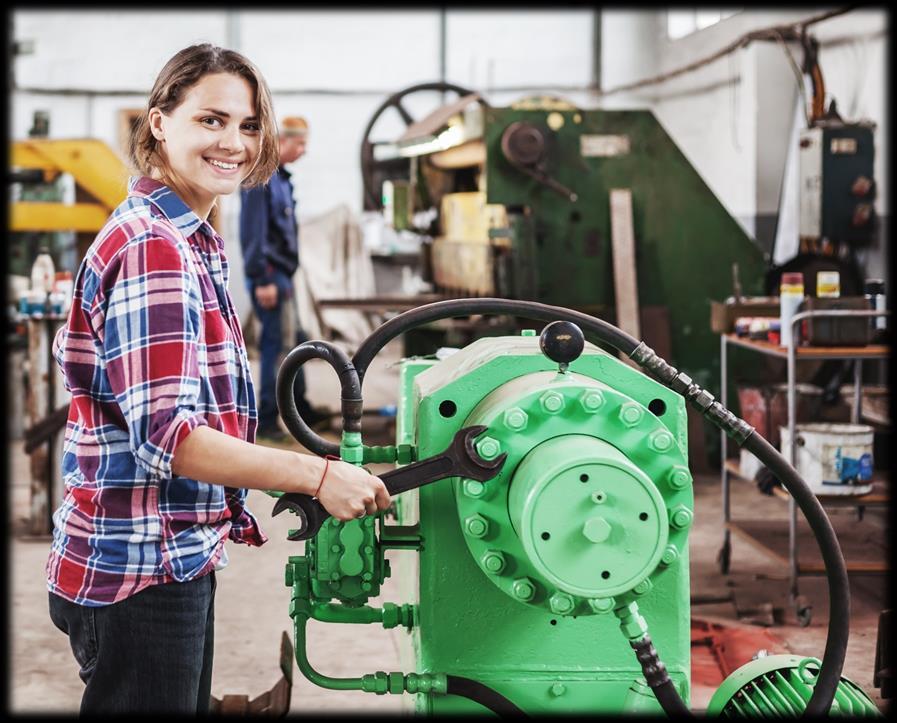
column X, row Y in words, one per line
column 271, row 345
column 149, row 653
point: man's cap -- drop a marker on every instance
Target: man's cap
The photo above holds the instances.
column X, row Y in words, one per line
column 293, row 125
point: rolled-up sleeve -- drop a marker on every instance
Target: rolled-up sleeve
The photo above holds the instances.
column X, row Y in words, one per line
column 149, row 320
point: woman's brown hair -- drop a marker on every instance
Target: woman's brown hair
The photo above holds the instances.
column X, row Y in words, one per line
column 185, row 69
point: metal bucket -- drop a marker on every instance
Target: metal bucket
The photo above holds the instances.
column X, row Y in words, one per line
column 834, row 459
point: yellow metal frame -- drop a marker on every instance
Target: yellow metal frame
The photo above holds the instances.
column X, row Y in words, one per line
column 97, row 170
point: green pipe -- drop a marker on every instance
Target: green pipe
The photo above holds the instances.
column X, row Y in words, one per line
column 390, row 615
column 378, row 682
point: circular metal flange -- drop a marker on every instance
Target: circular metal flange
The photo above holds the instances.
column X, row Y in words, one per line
column 592, row 523
column 627, row 477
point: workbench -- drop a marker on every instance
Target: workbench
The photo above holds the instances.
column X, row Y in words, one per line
column 767, row 535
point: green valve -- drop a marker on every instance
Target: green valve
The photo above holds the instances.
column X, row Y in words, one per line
column 528, row 332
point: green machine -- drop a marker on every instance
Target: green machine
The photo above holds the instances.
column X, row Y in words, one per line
column 559, row 581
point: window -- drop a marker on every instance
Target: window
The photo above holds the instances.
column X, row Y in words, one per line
column 684, row 22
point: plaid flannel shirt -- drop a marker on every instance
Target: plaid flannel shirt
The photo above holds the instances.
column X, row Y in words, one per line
column 151, row 350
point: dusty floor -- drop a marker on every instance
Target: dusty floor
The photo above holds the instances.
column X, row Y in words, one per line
column 252, row 600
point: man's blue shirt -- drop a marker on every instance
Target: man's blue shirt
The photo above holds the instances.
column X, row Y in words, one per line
column 269, row 230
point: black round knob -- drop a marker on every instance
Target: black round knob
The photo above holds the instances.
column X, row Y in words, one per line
column 562, row 341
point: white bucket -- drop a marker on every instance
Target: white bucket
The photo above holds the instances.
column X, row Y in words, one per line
column 834, row 459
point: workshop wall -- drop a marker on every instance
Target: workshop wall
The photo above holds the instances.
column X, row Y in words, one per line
column 732, row 118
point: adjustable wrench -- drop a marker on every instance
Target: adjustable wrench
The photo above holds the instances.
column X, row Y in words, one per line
column 461, row 459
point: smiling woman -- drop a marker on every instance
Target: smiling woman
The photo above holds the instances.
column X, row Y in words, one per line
column 159, row 446
column 210, row 112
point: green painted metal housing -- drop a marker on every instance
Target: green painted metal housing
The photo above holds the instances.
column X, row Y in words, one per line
column 686, row 240
column 516, row 577
column 777, row 686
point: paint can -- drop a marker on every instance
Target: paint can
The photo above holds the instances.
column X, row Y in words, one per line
column 834, row 459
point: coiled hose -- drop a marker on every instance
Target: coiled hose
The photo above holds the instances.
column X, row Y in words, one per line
column 351, row 372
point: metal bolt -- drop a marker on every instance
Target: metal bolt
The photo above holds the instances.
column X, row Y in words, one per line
column 473, row 488
column 334, row 576
column 601, row 604
column 557, row 690
column 476, row 526
column 523, row 589
column 335, row 548
column 670, row 555
column 631, row 414
column 591, row 401
column 679, row 477
column 598, row 497
column 552, row 402
column 661, row 440
column 643, row 587
column 368, row 549
column 366, row 586
column 367, row 576
column 596, row 529
column 488, row 447
column 561, row 603
column 680, row 516
column 516, row 419
column 494, row 561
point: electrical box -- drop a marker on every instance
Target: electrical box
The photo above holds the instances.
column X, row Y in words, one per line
column 837, row 187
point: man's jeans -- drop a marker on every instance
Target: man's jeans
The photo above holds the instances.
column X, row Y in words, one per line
column 270, row 348
column 151, row 652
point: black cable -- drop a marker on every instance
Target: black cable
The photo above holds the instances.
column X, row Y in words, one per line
column 482, row 694
column 465, row 307
column 350, row 387
column 835, row 570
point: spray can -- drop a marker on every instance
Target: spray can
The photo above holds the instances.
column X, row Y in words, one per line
column 43, row 274
column 791, row 293
column 874, row 291
column 828, row 285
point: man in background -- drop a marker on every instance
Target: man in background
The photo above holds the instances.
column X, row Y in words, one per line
column 269, row 239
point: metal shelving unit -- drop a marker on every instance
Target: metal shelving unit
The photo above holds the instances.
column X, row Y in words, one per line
column 761, row 533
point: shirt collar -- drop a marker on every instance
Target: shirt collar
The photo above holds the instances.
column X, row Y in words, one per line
column 284, row 171
column 168, row 202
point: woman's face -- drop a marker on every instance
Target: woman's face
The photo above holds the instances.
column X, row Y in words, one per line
column 210, row 142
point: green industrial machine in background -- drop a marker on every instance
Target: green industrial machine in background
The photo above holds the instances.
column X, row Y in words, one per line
column 545, row 201
column 560, row 583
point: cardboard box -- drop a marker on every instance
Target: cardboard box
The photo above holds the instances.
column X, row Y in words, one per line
column 724, row 314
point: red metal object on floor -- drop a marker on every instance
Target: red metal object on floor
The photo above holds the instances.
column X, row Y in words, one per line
column 718, row 648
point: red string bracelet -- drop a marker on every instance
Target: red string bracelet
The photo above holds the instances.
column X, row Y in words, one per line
column 327, row 458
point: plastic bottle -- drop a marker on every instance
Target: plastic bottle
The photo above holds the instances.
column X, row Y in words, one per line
column 791, row 293
column 828, row 285
column 874, row 292
column 43, row 272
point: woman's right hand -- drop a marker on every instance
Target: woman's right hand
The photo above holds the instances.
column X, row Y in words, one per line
column 349, row 492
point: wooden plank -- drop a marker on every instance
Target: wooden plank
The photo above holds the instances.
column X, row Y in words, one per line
column 871, row 351
column 623, row 251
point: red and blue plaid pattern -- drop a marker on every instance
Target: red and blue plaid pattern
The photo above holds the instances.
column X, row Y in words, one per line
column 152, row 349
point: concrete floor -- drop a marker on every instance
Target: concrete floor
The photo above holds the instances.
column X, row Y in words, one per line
column 252, row 601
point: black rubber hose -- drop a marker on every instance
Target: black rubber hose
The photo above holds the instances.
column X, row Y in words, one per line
column 464, row 307
column 350, row 386
column 658, row 680
column 482, row 694
column 835, row 570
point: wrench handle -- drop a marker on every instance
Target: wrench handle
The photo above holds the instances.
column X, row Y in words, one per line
column 418, row 474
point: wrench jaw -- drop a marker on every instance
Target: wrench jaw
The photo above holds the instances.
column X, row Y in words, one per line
column 295, row 506
column 477, row 467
